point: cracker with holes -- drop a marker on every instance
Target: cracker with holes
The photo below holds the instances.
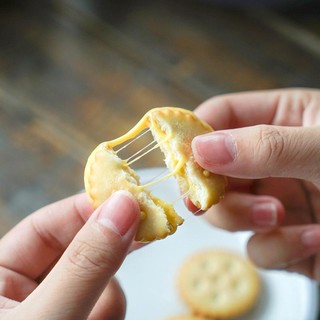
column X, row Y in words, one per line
column 173, row 130
column 219, row 284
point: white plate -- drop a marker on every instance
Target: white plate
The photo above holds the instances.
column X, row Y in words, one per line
column 148, row 275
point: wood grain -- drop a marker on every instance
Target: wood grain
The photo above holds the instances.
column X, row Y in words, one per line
column 75, row 73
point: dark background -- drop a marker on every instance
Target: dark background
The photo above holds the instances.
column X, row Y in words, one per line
column 76, row 73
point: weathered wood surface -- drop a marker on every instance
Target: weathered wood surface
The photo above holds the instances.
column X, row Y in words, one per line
column 75, row 73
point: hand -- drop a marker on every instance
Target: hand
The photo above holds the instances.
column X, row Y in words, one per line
column 58, row 262
column 268, row 143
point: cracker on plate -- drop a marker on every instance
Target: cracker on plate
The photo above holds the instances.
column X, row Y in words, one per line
column 218, row 284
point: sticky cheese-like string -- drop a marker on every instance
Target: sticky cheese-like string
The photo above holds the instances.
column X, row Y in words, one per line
column 181, row 197
column 156, row 177
column 132, row 141
column 131, row 134
column 135, row 133
column 179, row 165
column 129, row 160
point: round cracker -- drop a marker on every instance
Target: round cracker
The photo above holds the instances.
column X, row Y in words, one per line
column 219, row 284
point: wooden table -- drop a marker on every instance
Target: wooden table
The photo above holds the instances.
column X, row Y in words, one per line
column 75, row 73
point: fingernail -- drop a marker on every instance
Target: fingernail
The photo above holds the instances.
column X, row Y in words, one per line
column 216, row 148
column 119, row 212
column 264, row 214
column 311, row 238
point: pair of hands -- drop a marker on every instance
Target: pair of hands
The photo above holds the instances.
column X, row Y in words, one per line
column 59, row 262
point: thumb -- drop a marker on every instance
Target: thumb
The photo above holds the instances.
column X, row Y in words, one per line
column 74, row 285
column 261, row 151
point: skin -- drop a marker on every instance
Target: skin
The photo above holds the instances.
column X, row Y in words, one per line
column 268, row 144
column 59, row 262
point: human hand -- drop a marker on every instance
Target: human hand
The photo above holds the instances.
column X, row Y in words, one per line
column 268, row 143
column 58, row 263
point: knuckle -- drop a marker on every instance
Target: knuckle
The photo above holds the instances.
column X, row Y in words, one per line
column 271, row 144
column 86, row 259
column 6, row 281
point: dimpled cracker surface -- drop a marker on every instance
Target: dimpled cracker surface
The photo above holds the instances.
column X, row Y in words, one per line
column 218, row 284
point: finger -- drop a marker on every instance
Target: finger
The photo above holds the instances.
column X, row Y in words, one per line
column 6, row 303
column 111, row 304
column 137, row 245
column 239, row 212
column 15, row 286
column 43, row 236
column 285, row 247
column 258, row 107
column 305, row 267
column 191, row 207
column 261, row 151
column 89, row 262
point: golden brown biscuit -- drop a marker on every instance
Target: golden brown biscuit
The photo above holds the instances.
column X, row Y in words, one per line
column 173, row 129
column 218, row 284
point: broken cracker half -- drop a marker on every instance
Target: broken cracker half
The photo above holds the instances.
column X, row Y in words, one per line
column 173, row 130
